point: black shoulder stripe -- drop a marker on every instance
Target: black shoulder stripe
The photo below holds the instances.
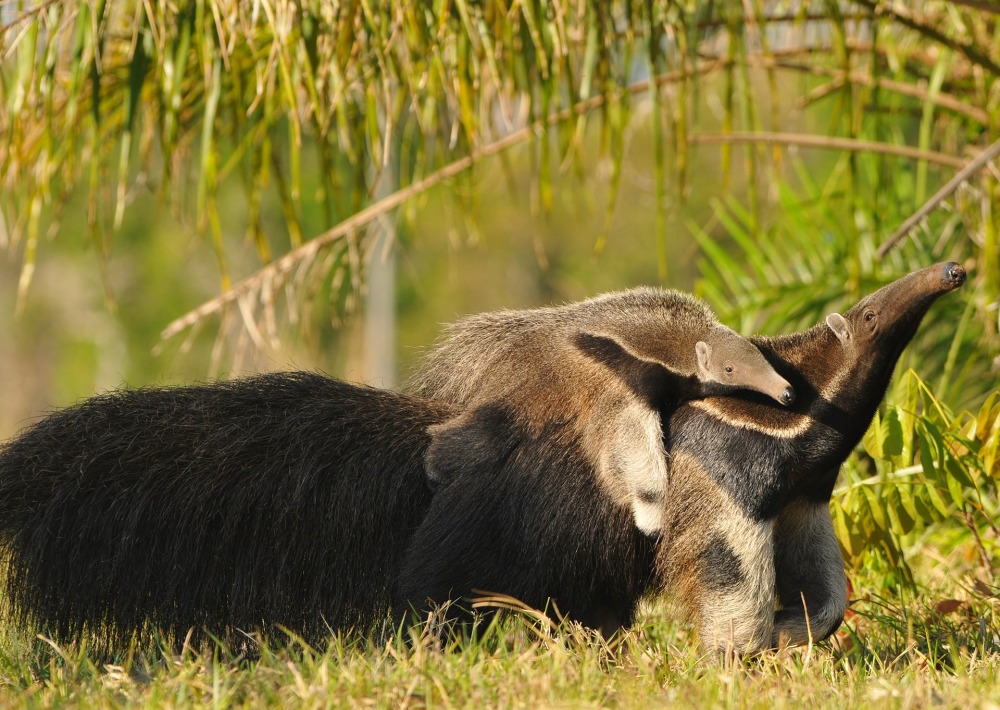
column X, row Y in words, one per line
column 651, row 381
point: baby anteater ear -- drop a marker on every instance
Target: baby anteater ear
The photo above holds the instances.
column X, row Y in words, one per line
column 840, row 327
column 703, row 353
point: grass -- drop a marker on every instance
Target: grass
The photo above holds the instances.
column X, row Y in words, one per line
column 887, row 655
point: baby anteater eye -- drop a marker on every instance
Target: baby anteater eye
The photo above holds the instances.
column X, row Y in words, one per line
column 869, row 317
column 729, row 369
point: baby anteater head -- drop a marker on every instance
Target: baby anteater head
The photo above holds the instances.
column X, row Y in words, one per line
column 727, row 359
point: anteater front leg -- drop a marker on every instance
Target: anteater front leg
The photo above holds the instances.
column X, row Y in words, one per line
column 718, row 560
column 736, row 577
column 809, row 568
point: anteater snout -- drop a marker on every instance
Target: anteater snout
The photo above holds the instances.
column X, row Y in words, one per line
column 788, row 396
column 953, row 274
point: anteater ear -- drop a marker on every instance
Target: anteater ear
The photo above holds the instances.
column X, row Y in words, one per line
column 476, row 440
column 703, row 352
column 840, row 327
column 456, row 445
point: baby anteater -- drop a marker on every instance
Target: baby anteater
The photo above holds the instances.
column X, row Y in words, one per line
column 605, row 367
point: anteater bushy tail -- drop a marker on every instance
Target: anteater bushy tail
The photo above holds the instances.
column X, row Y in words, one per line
column 284, row 499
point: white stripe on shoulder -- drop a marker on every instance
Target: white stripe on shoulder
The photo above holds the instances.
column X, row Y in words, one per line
column 797, row 427
column 799, row 423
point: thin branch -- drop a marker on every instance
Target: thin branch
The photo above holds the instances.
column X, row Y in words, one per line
column 276, row 270
column 809, row 631
column 961, row 176
column 990, row 6
column 969, row 50
column 984, row 556
column 828, row 142
column 944, row 100
column 29, row 14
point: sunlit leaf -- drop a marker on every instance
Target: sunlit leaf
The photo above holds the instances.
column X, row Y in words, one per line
column 874, row 438
column 893, row 441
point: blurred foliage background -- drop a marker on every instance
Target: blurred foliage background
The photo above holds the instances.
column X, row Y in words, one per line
column 200, row 188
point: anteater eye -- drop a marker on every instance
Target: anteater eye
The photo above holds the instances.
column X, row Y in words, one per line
column 869, row 317
column 729, row 369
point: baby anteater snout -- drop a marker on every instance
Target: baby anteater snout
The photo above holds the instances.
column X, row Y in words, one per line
column 788, row 396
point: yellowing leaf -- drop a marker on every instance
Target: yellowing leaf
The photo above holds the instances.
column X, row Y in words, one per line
column 872, row 440
column 892, row 434
column 947, row 606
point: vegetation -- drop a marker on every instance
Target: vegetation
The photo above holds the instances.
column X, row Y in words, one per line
column 238, row 161
column 897, row 655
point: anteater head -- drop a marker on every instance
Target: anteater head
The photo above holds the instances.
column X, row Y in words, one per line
column 874, row 332
column 840, row 369
column 726, row 359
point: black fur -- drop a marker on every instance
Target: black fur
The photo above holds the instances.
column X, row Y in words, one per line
column 284, row 499
column 536, row 526
column 483, row 439
column 651, row 382
column 750, row 466
column 719, row 567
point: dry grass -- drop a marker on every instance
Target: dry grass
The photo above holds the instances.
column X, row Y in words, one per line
column 886, row 655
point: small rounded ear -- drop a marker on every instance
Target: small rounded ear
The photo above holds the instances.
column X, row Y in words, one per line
column 476, row 440
column 840, row 327
column 703, row 352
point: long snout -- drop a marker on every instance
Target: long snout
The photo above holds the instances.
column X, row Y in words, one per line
column 780, row 391
column 952, row 275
